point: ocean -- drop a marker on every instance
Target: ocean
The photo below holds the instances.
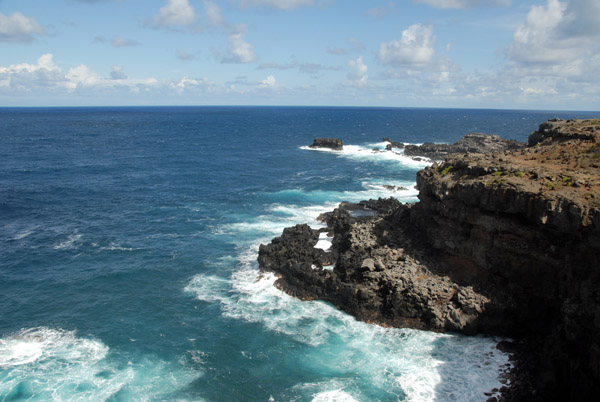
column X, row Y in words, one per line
column 128, row 246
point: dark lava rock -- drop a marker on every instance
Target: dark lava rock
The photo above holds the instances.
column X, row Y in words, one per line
column 470, row 143
column 330, row 143
column 501, row 242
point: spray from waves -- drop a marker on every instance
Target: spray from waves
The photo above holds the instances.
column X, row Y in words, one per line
column 46, row 364
column 375, row 153
column 291, row 208
column 357, row 361
column 360, row 360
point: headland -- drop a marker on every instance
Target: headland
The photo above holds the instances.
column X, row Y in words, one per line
column 501, row 242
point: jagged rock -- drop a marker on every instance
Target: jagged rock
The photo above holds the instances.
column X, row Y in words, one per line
column 470, row 143
column 502, row 243
column 331, row 143
column 565, row 130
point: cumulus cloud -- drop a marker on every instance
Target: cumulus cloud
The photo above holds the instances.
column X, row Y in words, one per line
column 359, row 76
column 175, row 14
column 463, row 4
column 18, row 28
column 117, row 73
column 414, row 48
column 238, row 50
column 26, row 76
column 269, row 82
column 187, row 84
column 557, row 33
column 46, row 77
column 285, row 5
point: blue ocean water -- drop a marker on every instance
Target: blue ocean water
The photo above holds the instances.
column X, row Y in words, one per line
column 128, row 244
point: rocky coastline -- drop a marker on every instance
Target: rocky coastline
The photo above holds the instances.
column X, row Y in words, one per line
column 505, row 243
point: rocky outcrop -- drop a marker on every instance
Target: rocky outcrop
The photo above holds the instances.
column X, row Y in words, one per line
column 378, row 277
column 392, row 144
column 470, row 143
column 557, row 130
column 330, row 143
column 502, row 243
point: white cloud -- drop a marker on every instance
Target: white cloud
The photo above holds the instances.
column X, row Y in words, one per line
column 463, row 4
column 81, row 76
column 414, row 48
column 187, row 84
column 18, row 28
column 582, row 18
column 286, row 5
column 535, row 40
column 359, row 76
column 46, row 77
column 117, row 73
column 269, row 82
column 557, row 33
column 176, row 13
column 239, row 51
column 213, row 13
column 25, row 76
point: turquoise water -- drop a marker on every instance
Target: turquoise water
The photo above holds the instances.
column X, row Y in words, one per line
column 129, row 239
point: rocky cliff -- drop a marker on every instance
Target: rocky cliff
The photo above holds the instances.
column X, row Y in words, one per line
column 501, row 243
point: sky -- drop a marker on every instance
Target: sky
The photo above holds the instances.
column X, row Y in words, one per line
column 507, row 54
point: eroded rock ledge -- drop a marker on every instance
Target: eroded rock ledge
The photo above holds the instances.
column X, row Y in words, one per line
column 504, row 243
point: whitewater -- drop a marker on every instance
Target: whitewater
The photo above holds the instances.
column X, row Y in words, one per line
column 129, row 240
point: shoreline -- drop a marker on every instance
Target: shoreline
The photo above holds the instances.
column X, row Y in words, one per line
column 498, row 244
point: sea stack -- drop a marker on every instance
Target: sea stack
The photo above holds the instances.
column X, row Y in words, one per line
column 330, row 143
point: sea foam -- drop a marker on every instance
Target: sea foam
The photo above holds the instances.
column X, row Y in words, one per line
column 407, row 364
column 48, row 364
column 375, row 152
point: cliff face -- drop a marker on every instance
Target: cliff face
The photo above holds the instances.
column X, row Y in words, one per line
column 504, row 243
column 530, row 222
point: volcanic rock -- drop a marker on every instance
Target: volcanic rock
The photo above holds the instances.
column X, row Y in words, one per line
column 331, row 143
column 500, row 242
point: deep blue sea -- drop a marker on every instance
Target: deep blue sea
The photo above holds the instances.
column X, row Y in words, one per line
column 128, row 245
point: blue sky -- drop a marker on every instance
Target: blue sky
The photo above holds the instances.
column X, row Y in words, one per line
column 531, row 54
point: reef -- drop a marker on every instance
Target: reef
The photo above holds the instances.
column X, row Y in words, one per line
column 505, row 243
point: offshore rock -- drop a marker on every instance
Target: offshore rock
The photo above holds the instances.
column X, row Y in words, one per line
column 331, row 143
